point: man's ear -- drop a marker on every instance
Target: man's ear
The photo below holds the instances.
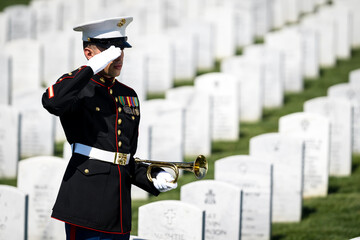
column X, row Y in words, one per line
column 89, row 53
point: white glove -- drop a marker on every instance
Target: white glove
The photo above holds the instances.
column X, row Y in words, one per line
column 163, row 182
column 101, row 60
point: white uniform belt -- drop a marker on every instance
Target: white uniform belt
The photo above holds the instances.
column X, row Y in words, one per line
column 99, row 154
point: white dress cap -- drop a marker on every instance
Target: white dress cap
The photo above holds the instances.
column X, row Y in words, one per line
column 105, row 28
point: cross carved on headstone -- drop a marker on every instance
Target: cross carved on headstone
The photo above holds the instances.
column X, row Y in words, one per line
column 210, row 197
column 305, row 124
column 170, row 215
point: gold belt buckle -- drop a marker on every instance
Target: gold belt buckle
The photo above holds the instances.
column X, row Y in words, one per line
column 120, row 158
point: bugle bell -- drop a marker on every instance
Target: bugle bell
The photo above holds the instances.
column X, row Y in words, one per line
column 199, row 167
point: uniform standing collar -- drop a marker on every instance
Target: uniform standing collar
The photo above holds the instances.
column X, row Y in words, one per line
column 104, row 80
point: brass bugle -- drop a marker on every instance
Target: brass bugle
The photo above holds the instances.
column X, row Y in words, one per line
column 199, row 167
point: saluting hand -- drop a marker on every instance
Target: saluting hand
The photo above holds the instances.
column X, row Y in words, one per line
column 101, row 60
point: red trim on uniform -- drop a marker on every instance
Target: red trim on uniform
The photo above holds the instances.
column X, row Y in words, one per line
column 116, row 128
column 98, row 82
column 51, row 91
column 79, row 70
column 120, row 200
column 72, row 232
column 90, row 228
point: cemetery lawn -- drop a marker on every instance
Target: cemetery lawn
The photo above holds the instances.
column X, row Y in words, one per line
column 6, row 3
column 335, row 217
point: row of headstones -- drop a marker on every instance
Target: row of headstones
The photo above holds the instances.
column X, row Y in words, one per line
column 225, row 113
column 44, row 16
column 191, row 117
column 282, row 169
column 267, row 186
column 279, row 71
column 310, row 146
column 27, row 208
column 185, row 49
column 315, row 147
column 314, row 130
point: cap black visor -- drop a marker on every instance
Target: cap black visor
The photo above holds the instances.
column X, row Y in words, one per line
column 120, row 42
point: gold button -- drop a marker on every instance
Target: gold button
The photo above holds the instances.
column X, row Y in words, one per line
column 119, row 121
column 102, row 80
column 133, row 118
column 86, row 171
column 119, row 132
column 70, row 73
column 110, row 91
column 120, row 143
column 116, row 100
column 88, row 39
column 97, row 109
column 119, row 109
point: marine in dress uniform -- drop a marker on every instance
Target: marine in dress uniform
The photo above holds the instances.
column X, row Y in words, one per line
column 100, row 117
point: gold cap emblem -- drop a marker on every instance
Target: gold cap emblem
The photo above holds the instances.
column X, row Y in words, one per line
column 121, row 22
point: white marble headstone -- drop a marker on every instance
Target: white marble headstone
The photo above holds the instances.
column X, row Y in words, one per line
column 310, row 40
column 40, row 178
column 13, row 217
column 223, row 91
column 67, row 151
column 245, row 21
column 47, row 17
column 307, row 6
column 9, row 141
column 286, row 154
column 339, row 16
column 273, row 84
column 173, row 13
column 278, row 16
column 143, row 150
column 197, row 110
column 74, row 12
column 354, row 77
column 249, row 73
column 4, row 28
column 57, row 52
column 254, row 177
column 160, row 64
column 133, row 72
column 262, row 17
column 224, row 35
column 289, row 42
column 21, row 22
column 136, row 238
column 37, row 135
column 205, row 52
column 354, row 7
column 185, row 55
column 174, row 220
column 26, row 64
column 314, row 129
column 291, row 10
column 339, row 112
column 5, row 79
column 166, row 119
column 222, row 204
column 326, row 31
column 347, row 92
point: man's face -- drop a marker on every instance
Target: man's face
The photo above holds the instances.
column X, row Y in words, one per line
column 113, row 69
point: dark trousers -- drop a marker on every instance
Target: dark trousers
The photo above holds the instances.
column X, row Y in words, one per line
column 79, row 233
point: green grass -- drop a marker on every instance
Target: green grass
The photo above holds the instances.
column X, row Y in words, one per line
column 6, row 3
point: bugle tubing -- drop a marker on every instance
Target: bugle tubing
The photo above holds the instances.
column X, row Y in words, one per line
column 199, row 167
